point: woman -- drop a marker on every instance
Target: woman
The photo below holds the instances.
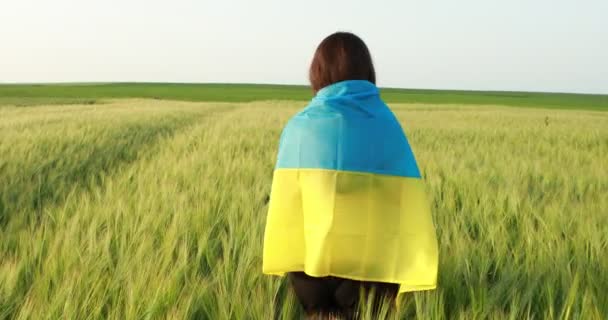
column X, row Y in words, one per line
column 347, row 211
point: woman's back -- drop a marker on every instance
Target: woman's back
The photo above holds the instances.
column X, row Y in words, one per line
column 347, row 197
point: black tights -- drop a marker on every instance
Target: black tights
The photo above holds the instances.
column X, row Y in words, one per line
column 325, row 296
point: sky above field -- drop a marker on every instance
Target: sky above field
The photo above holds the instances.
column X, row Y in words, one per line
column 540, row 45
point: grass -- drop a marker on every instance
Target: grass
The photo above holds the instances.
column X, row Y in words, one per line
column 148, row 209
column 35, row 94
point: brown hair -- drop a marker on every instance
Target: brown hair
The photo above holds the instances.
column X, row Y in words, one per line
column 341, row 56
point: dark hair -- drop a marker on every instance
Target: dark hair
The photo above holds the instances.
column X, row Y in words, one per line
column 341, row 56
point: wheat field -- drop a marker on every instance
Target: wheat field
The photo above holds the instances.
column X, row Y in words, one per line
column 150, row 209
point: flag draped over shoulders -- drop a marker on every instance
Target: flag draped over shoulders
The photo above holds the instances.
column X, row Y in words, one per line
column 347, row 198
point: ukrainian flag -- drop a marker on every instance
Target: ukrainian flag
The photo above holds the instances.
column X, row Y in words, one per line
column 347, row 197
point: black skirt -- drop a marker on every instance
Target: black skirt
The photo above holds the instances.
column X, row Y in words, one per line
column 339, row 296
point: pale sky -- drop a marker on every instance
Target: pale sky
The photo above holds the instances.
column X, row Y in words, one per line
column 529, row 45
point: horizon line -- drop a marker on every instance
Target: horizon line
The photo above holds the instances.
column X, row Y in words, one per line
column 59, row 83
